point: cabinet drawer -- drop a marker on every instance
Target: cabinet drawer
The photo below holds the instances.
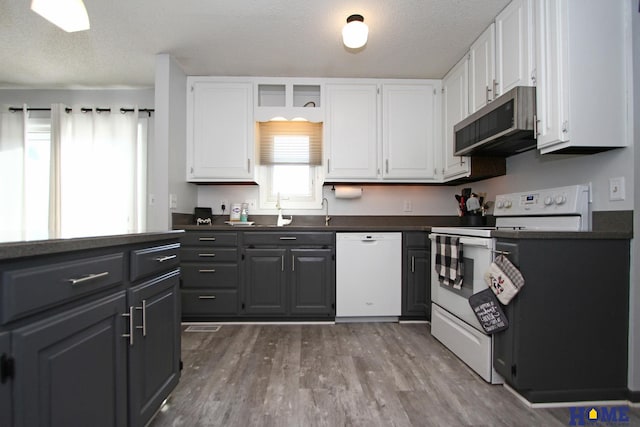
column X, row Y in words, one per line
column 209, row 302
column 28, row 290
column 154, row 260
column 209, row 238
column 293, row 238
column 209, row 254
column 417, row 239
column 209, row 275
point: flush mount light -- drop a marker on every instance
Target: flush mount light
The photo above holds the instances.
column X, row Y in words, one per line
column 70, row 15
column 355, row 32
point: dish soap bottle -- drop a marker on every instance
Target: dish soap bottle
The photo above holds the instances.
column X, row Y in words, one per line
column 244, row 214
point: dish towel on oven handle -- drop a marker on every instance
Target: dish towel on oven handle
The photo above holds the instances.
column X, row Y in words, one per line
column 449, row 262
column 504, row 279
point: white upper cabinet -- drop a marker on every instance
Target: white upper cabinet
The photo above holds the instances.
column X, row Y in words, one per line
column 220, row 130
column 455, row 107
column 503, row 56
column 515, row 52
column 351, row 131
column 288, row 98
column 582, row 75
column 482, row 69
column 409, row 130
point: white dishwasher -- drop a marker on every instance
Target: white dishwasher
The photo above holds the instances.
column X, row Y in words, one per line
column 368, row 276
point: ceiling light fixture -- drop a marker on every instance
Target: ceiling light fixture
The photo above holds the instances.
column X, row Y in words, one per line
column 355, row 32
column 70, row 15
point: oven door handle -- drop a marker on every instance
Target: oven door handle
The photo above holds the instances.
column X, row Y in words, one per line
column 470, row 241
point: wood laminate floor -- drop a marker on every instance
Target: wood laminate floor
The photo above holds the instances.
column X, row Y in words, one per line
column 358, row 374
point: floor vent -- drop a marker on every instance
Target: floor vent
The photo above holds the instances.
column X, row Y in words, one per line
column 203, row 328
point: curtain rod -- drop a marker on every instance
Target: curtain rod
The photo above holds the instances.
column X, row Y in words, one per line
column 86, row 110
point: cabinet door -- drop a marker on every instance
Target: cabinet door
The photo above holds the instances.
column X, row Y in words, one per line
column 514, row 47
column 220, row 131
column 351, row 136
column 455, row 107
column 312, row 281
column 154, row 358
column 408, row 129
column 551, row 59
column 5, row 381
column 418, row 283
column 72, row 368
column 482, row 69
column 265, row 281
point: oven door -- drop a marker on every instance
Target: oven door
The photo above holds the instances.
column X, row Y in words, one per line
column 478, row 253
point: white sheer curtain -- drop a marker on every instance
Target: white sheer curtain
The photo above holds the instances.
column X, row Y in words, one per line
column 12, row 169
column 95, row 184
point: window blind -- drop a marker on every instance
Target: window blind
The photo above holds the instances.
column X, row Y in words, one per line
column 290, row 143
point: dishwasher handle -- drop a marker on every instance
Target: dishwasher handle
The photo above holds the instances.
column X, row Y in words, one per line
column 368, row 239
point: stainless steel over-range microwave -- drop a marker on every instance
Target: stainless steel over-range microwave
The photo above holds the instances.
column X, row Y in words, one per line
column 503, row 127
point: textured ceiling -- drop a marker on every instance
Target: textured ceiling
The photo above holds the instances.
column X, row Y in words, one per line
column 407, row 39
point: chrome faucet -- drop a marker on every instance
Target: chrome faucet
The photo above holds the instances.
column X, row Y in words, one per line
column 327, row 218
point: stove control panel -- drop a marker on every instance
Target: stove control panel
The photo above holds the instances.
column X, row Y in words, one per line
column 570, row 200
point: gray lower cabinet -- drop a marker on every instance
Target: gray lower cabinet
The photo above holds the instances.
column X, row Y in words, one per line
column 416, row 283
column 288, row 275
column 265, row 281
column 90, row 338
column 6, row 369
column 70, row 368
column 210, row 275
column 154, row 353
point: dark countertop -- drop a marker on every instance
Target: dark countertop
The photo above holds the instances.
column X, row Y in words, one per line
column 13, row 250
column 401, row 223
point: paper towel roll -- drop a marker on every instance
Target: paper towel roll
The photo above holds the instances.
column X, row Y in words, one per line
column 346, row 192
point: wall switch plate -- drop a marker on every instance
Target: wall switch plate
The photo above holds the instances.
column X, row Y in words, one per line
column 407, row 206
column 173, row 201
column 616, row 188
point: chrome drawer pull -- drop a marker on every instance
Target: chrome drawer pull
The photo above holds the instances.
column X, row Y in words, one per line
column 130, row 334
column 144, row 318
column 207, row 239
column 206, row 297
column 88, row 278
column 288, row 238
column 165, row 258
column 207, row 270
column 207, row 255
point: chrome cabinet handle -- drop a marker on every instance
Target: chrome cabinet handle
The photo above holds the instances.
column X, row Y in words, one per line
column 487, row 98
column 131, row 327
column 207, row 239
column 293, row 263
column 288, row 238
column 282, row 263
column 165, row 258
column 144, row 318
column 207, row 270
column 206, row 255
column 387, row 165
column 206, row 297
column 413, row 264
column 88, row 278
column 495, row 89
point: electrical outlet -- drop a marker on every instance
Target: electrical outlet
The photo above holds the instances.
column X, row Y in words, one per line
column 224, row 206
column 152, row 199
column 407, row 206
column 251, row 203
column 616, row 188
column 173, row 201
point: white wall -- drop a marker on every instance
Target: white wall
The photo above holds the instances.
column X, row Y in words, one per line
column 143, row 98
column 634, row 321
column 167, row 160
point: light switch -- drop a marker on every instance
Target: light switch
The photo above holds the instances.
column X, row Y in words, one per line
column 616, row 188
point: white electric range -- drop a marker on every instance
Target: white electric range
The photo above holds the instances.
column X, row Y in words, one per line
column 452, row 320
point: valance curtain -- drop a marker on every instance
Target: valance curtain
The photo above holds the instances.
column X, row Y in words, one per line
column 12, row 169
column 290, row 143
